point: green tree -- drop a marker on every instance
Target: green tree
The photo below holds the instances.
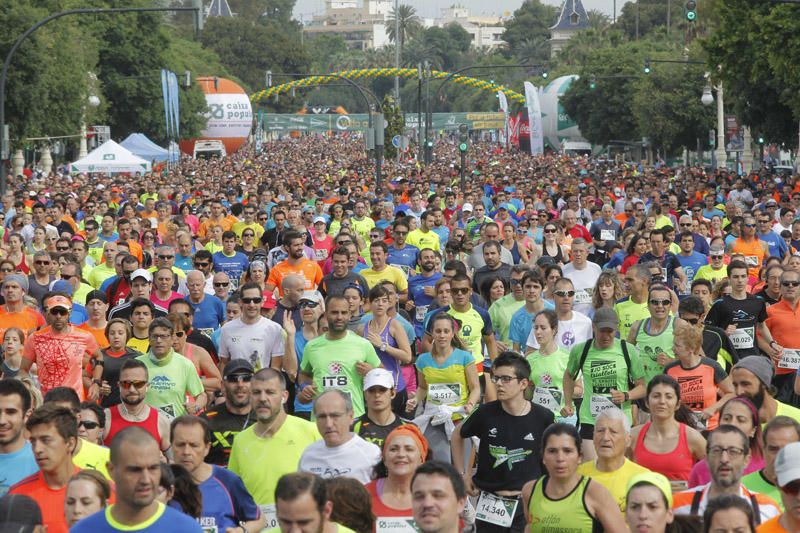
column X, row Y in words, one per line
column 248, row 49
column 598, row 20
column 651, row 15
column 396, row 125
column 753, row 46
column 531, row 23
column 408, row 21
column 48, row 82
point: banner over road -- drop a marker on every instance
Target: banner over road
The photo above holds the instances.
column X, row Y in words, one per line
column 284, row 123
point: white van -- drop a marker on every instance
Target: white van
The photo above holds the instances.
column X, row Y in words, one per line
column 209, row 149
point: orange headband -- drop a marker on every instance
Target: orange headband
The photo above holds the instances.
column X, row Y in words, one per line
column 409, row 430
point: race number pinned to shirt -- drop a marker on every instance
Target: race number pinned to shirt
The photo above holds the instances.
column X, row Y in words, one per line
column 398, row 524
column 444, row 393
column 751, row 261
column 583, row 296
column 548, row 398
column 743, row 338
column 598, row 404
column 790, row 359
column 420, row 312
column 608, row 235
column 271, row 514
column 496, row 509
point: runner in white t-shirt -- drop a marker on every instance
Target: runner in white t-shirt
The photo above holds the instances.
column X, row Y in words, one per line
column 583, row 275
column 573, row 327
column 252, row 337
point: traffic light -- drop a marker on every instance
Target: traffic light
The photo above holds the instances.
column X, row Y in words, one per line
column 463, row 138
column 760, row 138
column 691, row 10
column 593, row 82
column 545, row 74
column 647, row 66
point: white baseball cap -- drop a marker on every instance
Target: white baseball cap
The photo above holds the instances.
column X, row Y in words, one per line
column 466, row 207
column 142, row 273
column 787, row 464
column 378, row 377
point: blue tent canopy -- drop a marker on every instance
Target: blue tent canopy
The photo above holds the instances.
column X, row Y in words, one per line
column 140, row 145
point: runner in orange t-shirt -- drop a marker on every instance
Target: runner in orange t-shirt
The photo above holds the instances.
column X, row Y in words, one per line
column 61, row 352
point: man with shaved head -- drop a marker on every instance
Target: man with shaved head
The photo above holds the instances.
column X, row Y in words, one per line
column 209, row 311
column 135, row 467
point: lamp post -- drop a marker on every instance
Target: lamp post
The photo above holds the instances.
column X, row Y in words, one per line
column 197, row 8
column 707, row 99
column 93, row 101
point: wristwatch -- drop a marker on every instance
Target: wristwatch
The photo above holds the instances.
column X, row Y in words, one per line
column 97, row 382
column 384, row 346
column 626, row 396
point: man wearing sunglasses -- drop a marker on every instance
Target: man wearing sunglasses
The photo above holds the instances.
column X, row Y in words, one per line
column 750, row 246
column 782, row 322
column 62, row 352
column 133, row 411
column 234, row 415
column 252, row 337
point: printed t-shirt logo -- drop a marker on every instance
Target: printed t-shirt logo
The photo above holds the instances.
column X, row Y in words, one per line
column 503, row 455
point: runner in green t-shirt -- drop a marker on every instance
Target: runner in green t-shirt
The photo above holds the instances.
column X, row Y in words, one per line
column 548, row 364
column 610, row 377
column 779, row 432
column 172, row 376
column 337, row 360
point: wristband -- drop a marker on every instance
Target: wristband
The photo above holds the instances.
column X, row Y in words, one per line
column 97, row 382
column 625, row 395
column 772, row 342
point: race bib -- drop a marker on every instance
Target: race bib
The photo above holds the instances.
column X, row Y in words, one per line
column 743, row 338
column 599, row 404
column 321, row 254
column 421, row 311
column 699, row 423
column 444, row 393
column 406, row 270
column 496, row 509
column 169, row 411
column 548, row 398
column 664, row 275
column 399, row 524
column 608, row 235
column 751, row 261
column 583, row 296
column 271, row 514
column 790, row 359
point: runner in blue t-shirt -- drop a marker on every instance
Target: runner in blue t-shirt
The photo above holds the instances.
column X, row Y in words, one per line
column 418, row 301
column 228, row 260
column 690, row 260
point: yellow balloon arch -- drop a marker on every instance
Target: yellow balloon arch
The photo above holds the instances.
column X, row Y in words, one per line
column 369, row 73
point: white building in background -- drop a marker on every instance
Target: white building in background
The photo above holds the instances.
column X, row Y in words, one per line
column 486, row 31
column 362, row 27
column 363, row 24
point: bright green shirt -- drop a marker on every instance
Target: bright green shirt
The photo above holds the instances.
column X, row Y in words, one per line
column 547, row 377
column 100, row 273
column 288, row 443
column 603, row 370
column 629, row 312
column 756, row 482
column 332, row 363
column 171, row 379
column 501, row 312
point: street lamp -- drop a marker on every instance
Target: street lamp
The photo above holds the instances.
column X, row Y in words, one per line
column 93, row 101
column 707, row 99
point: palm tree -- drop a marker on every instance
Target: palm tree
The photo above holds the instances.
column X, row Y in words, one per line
column 408, row 21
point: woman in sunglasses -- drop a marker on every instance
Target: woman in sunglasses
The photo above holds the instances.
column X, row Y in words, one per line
column 551, row 243
column 206, row 369
column 91, row 420
column 118, row 332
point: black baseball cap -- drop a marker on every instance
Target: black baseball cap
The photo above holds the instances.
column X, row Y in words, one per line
column 237, row 366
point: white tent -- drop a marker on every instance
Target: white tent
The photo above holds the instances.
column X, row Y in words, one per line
column 110, row 157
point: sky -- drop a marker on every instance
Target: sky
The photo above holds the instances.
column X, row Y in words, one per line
column 304, row 9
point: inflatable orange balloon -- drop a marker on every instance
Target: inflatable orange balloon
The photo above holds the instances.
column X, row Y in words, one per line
column 230, row 115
